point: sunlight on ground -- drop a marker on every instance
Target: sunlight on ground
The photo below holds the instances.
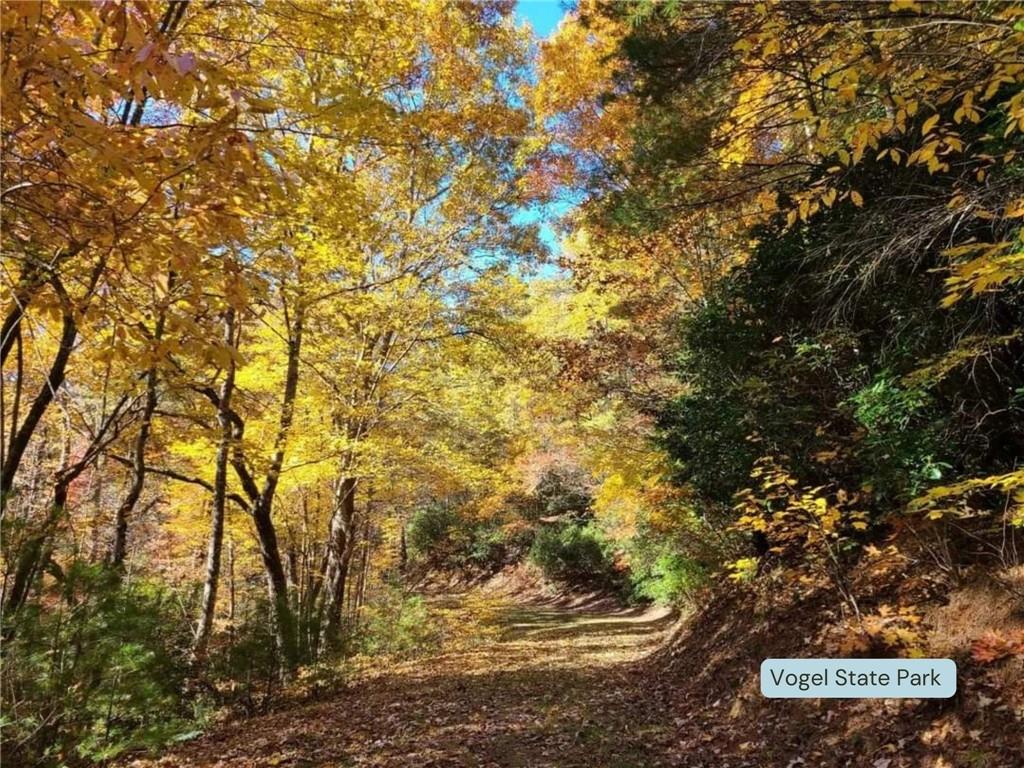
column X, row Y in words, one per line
column 512, row 685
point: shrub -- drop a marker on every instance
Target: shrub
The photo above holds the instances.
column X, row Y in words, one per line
column 246, row 669
column 397, row 624
column 901, row 443
column 491, row 547
column 97, row 673
column 487, row 548
column 577, row 554
column 432, row 533
column 670, row 579
column 563, row 492
column 441, row 537
column 705, row 437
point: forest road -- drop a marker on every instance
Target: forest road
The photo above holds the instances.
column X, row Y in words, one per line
column 547, row 686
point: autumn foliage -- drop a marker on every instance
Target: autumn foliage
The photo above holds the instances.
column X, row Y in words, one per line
column 282, row 336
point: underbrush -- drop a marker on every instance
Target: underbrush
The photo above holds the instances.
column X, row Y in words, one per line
column 552, row 527
column 670, row 578
column 572, row 551
column 102, row 666
column 96, row 671
column 578, row 555
column 396, row 624
column 440, row 537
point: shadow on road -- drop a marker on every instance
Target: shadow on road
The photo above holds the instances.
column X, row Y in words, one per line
column 555, row 688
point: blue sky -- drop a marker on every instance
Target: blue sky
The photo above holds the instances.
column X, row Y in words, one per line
column 543, row 15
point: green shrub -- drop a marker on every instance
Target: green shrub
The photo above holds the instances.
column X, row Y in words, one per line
column 432, row 533
column 901, row 443
column 246, row 666
column 563, row 492
column 573, row 553
column 670, row 579
column 705, row 437
column 99, row 672
column 671, row 562
column 491, row 547
column 397, row 624
column 488, row 548
column 439, row 536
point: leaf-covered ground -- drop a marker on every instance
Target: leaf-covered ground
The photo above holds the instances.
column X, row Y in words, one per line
column 512, row 686
column 543, row 686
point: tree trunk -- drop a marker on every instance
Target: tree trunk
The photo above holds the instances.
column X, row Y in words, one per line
column 138, row 473
column 30, row 557
column 364, row 566
column 138, row 468
column 29, row 284
column 364, row 576
column 19, row 381
column 231, row 586
column 263, row 499
column 54, row 380
column 340, row 544
column 277, row 584
column 220, row 482
column 403, row 551
column 31, row 554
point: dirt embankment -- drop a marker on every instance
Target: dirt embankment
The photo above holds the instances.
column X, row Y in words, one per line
column 522, row 583
column 706, row 677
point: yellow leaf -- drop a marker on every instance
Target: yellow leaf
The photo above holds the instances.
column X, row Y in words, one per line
column 260, row 106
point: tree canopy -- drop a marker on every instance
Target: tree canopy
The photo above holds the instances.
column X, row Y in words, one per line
column 282, row 334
